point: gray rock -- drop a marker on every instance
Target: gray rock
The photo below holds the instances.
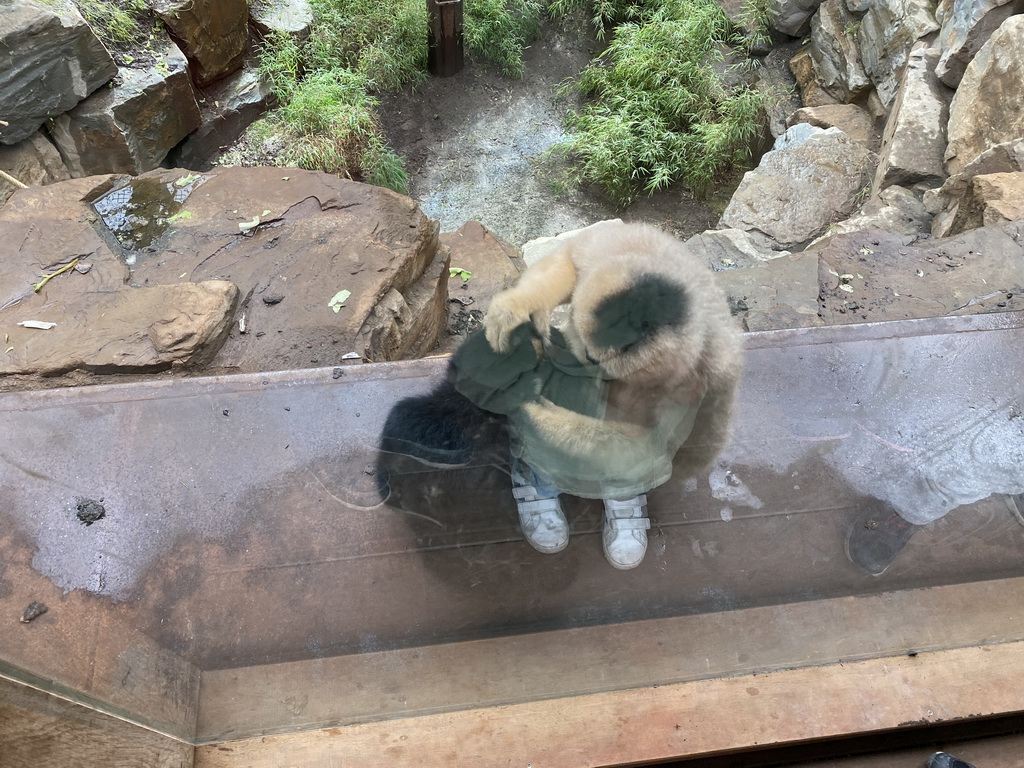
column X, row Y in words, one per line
column 781, row 293
column 130, row 128
column 798, row 190
column 226, row 109
column 837, row 59
column 966, row 25
column 887, row 33
column 290, row 17
column 988, row 107
column 32, row 161
column 726, row 249
column 914, row 142
column 792, row 17
column 213, row 34
column 852, row 120
column 51, row 61
column 896, row 210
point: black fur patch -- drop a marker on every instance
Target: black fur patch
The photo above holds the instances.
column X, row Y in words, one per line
column 634, row 314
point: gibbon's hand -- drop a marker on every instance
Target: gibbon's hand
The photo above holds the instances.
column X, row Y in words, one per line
column 506, row 313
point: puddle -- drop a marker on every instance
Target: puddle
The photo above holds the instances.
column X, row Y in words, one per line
column 140, row 212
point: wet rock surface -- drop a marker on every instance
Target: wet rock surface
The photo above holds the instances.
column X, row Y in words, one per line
column 179, row 274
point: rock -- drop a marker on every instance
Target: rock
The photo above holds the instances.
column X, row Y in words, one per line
column 896, row 210
column 991, row 199
column 887, row 33
column 890, row 279
column 837, row 59
column 51, row 61
column 812, row 178
column 775, row 81
column 781, row 293
column 127, row 330
column 289, row 17
column 791, row 17
column 226, row 109
column 944, row 202
column 132, row 127
column 213, row 34
column 914, row 142
column 966, row 25
column 316, row 235
column 726, row 249
column 852, row 120
column 32, row 161
column 988, row 107
column 495, row 265
column 811, row 92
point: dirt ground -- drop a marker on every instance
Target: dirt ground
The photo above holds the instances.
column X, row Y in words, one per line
column 473, row 142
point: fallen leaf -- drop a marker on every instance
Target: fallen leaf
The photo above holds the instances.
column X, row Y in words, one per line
column 465, row 274
column 184, row 181
column 247, row 226
column 845, row 287
column 179, row 215
column 339, row 300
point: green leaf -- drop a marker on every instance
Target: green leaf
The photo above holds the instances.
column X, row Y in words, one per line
column 184, row 181
column 339, row 300
column 179, row 215
column 465, row 274
column 248, row 226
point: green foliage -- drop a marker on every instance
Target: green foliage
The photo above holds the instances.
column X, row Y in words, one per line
column 756, row 20
column 658, row 112
column 115, row 23
column 498, row 31
column 607, row 13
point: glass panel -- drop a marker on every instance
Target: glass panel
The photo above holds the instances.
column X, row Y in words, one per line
column 217, row 551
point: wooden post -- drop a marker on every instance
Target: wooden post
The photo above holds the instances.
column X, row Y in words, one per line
column 444, row 38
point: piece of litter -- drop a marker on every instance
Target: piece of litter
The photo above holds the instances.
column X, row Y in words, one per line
column 241, row 323
column 351, row 356
column 38, row 324
column 183, row 274
column 845, row 287
column 339, row 300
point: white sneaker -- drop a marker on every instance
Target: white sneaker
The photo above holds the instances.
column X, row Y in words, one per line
column 625, row 531
column 542, row 520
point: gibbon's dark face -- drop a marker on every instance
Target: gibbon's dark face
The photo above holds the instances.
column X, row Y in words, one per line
column 632, row 316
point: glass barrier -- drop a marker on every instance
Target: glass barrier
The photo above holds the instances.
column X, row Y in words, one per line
column 228, row 557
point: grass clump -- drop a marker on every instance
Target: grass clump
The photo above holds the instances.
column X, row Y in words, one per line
column 326, row 89
column 658, row 113
column 498, row 31
column 117, row 24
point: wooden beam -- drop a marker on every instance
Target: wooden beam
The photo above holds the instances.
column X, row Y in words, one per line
column 687, row 720
column 38, row 730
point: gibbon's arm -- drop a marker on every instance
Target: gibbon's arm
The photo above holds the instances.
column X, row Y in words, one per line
column 542, row 287
column 583, row 436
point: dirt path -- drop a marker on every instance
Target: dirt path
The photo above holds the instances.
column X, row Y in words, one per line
column 471, row 143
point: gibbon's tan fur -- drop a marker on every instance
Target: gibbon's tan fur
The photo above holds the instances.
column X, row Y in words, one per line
column 696, row 364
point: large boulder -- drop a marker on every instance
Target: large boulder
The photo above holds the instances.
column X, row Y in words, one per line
column 876, row 275
column 852, row 120
column 792, row 17
column 51, row 61
column 895, row 209
column 812, row 93
column 226, row 109
column 914, row 142
column 289, row 17
column 887, row 33
column 837, row 58
column 944, row 202
column 988, row 107
column 130, row 128
column 290, row 240
column 482, row 266
column 966, row 25
column 213, row 34
column 991, row 199
column 811, row 178
column 32, row 161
